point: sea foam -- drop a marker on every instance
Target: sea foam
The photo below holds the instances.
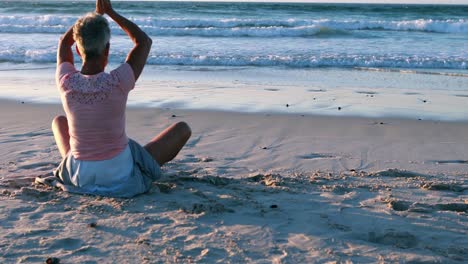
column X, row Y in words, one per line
column 234, row 27
column 298, row 61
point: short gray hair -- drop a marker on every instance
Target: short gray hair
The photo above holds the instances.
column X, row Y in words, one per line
column 92, row 34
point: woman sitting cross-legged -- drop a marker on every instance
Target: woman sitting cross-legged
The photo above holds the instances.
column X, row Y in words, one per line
column 98, row 157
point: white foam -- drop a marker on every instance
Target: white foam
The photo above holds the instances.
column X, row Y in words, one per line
column 300, row 61
column 236, row 27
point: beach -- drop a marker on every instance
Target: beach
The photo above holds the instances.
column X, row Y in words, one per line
column 256, row 188
column 321, row 133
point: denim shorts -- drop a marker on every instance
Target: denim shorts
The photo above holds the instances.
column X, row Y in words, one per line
column 145, row 170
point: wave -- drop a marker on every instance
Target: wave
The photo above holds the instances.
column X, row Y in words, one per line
column 338, row 60
column 238, row 27
column 423, row 25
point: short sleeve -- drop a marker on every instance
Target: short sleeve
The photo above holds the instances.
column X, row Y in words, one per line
column 63, row 69
column 124, row 74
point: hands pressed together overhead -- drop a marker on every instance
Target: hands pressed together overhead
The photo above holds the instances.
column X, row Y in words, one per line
column 136, row 58
column 103, row 7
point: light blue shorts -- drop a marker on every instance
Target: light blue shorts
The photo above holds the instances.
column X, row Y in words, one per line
column 137, row 172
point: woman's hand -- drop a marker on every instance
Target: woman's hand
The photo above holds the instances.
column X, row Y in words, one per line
column 142, row 43
column 103, row 7
column 64, row 51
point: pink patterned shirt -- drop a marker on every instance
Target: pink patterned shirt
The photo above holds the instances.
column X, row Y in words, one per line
column 95, row 107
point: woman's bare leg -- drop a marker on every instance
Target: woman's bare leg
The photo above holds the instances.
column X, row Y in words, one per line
column 61, row 135
column 165, row 146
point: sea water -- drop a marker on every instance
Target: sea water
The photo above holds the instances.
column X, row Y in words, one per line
column 409, row 60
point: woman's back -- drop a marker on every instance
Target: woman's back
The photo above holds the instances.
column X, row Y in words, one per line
column 95, row 107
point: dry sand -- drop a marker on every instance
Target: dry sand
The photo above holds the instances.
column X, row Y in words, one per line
column 248, row 188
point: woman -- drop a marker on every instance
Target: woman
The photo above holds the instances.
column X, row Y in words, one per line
column 98, row 158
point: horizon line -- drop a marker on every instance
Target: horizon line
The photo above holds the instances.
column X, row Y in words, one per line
column 373, row 2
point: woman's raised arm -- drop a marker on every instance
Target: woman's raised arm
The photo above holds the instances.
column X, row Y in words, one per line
column 142, row 43
column 64, row 51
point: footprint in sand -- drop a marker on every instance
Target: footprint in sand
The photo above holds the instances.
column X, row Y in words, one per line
column 394, row 238
column 426, row 208
column 336, row 189
column 28, row 194
column 28, row 152
column 340, row 227
column 214, row 180
column 15, row 214
column 399, row 205
column 271, row 180
column 455, row 207
column 17, row 181
column 316, row 90
column 317, row 156
column 366, row 92
column 214, row 208
column 64, row 243
column 440, row 186
column 450, row 161
column 205, row 159
column 396, row 173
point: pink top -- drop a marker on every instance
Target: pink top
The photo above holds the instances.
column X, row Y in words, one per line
column 95, row 108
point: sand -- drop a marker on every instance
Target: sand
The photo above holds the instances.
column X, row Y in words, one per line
column 319, row 91
column 248, row 188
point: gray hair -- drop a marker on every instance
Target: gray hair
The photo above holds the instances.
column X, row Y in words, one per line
column 92, row 34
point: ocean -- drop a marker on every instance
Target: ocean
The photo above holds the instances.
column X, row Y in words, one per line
column 244, row 43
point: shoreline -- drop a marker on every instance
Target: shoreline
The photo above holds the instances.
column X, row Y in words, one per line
column 323, row 92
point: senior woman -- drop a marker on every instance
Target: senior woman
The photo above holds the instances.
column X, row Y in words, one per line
column 98, row 157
